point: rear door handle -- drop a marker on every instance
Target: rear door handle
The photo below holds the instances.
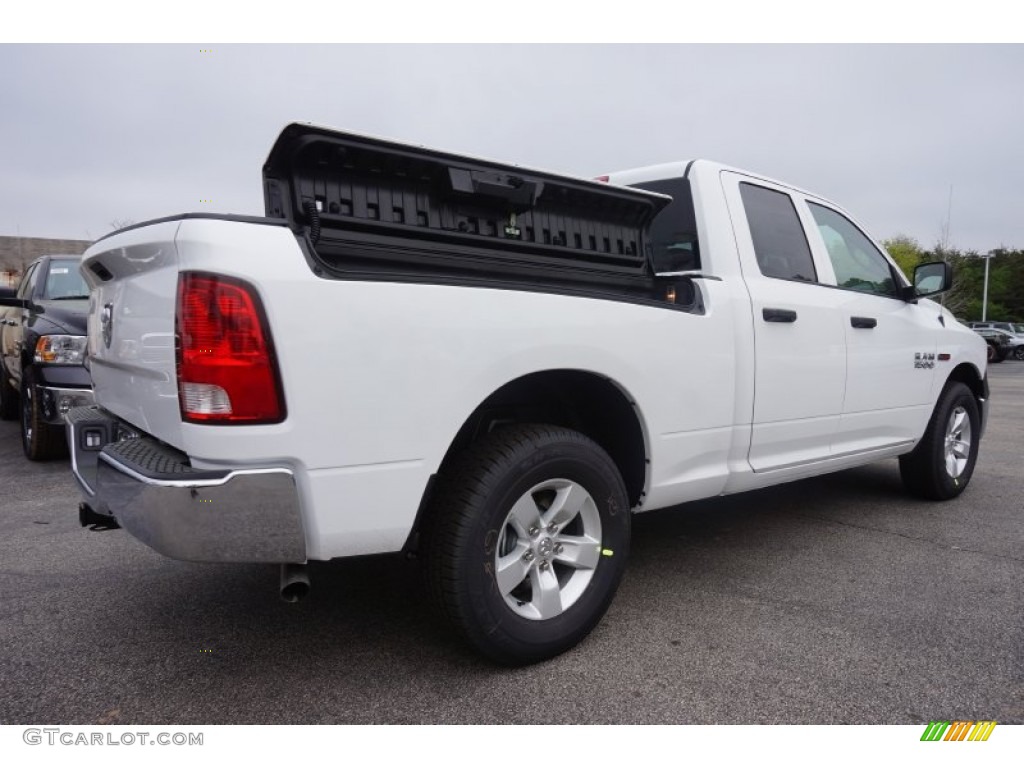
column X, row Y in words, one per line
column 772, row 315
column 863, row 322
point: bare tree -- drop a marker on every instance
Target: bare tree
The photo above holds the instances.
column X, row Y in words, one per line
column 120, row 223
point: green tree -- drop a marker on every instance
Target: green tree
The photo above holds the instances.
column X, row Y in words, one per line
column 1005, row 279
column 1005, row 283
column 905, row 252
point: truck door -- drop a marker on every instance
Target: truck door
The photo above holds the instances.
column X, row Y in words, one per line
column 799, row 340
column 890, row 343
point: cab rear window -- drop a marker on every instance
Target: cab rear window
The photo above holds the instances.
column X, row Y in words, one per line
column 673, row 236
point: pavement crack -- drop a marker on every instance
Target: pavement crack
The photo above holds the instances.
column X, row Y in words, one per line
column 921, row 539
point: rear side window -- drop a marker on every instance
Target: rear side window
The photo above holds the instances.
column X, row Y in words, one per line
column 857, row 263
column 780, row 242
column 673, row 235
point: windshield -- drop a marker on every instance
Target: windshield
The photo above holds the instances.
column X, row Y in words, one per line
column 63, row 281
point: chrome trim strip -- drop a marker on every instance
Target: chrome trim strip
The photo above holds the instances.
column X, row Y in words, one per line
column 196, row 483
column 884, row 449
column 72, row 438
column 77, row 391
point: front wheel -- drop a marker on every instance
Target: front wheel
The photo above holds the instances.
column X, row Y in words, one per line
column 1018, row 353
column 527, row 541
column 39, row 440
column 941, row 465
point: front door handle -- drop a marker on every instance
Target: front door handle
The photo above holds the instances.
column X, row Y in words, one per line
column 863, row 322
column 772, row 315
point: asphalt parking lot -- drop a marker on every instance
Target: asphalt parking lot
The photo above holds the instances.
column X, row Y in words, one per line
column 833, row 600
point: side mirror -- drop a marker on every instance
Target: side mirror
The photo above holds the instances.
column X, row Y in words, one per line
column 6, row 301
column 932, row 278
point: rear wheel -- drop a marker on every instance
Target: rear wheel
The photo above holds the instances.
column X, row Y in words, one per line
column 39, row 440
column 528, row 539
column 1018, row 353
column 941, row 465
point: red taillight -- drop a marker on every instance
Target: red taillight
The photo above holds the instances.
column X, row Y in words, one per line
column 601, row 178
column 227, row 371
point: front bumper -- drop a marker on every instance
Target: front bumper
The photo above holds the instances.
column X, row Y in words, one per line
column 153, row 492
column 983, row 405
column 56, row 402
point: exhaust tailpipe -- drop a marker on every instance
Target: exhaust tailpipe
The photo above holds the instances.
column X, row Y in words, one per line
column 294, row 582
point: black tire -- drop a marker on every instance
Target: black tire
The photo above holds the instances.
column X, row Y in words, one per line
column 1018, row 353
column 469, row 527
column 8, row 397
column 39, row 440
column 925, row 470
column 991, row 352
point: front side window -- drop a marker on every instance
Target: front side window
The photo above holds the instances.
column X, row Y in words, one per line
column 857, row 263
column 26, row 289
column 780, row 243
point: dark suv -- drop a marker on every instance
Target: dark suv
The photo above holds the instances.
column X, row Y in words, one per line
column 1001, row 344
column 42, row 351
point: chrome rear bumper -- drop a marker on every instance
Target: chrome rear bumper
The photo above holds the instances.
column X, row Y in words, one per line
column 151, row 490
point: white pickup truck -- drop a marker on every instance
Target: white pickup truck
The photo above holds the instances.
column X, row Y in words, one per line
column 493, row 367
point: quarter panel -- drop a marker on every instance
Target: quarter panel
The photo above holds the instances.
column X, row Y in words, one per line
column 378, row 377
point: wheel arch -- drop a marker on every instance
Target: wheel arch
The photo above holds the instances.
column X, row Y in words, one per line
column 588, row 402
column 968, row 374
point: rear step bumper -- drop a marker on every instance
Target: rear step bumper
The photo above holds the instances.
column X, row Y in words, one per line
column 153, row 492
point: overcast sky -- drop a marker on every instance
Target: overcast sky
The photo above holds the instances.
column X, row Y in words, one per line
column 94, row 134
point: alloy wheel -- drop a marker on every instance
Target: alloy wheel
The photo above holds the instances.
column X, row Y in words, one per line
column 958, row 442
column 548, row 549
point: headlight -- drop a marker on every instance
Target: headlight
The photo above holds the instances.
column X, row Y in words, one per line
column 60, row 350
